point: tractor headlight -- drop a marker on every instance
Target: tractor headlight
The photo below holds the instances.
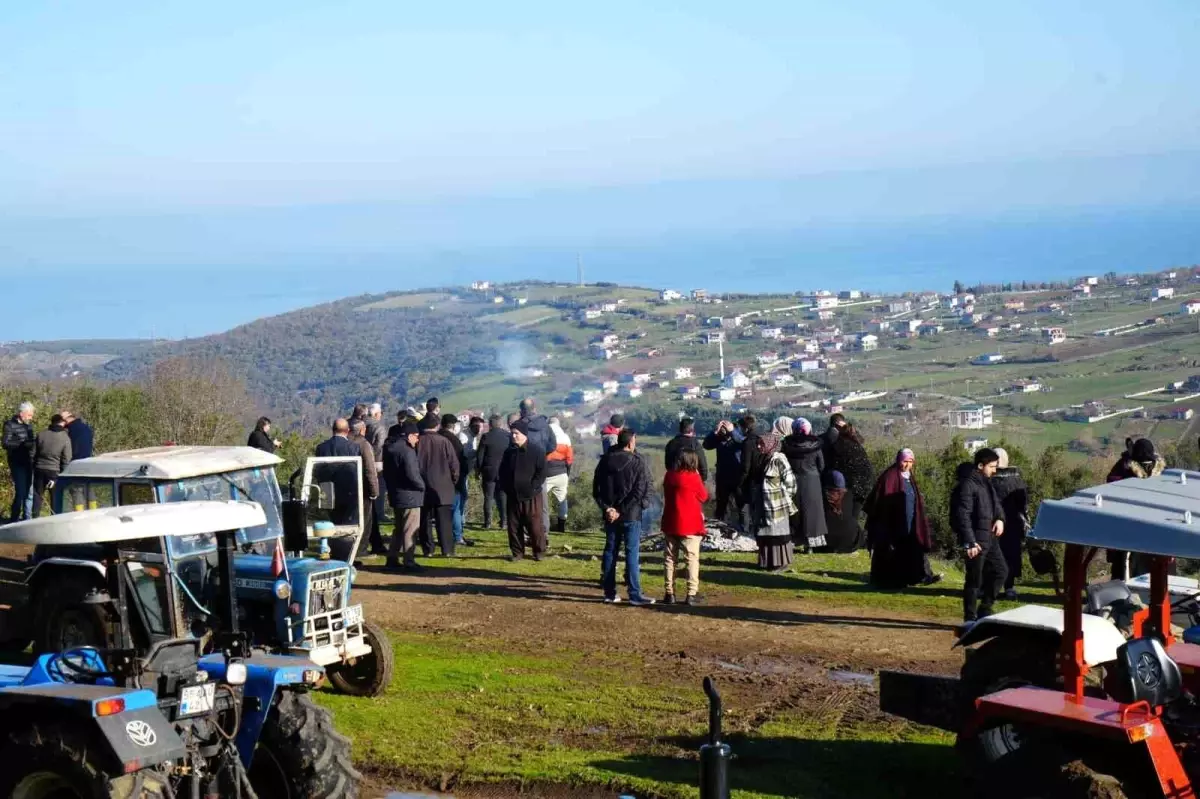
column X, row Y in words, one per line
column 282, row 589
column 235, row 674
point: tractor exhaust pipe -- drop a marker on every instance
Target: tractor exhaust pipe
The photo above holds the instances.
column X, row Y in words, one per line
column 714, row 755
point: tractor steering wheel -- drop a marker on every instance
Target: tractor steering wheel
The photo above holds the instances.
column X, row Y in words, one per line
column 75, row 666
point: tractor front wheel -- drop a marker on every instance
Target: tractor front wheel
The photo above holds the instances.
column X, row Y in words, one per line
column 300, row 755
column 368, row 675
column 56, row 761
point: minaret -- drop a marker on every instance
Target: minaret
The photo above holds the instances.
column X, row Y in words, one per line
column 721, row 348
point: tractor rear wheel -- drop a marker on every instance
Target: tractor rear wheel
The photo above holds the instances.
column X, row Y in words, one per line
column 56, row 761
column 65, row 620
column 368, row 675
column 301, row 755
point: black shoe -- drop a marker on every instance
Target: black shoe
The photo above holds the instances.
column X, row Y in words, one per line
column 932, row 579
column 560, row 526
column 393, row 566
column 694, row 599
column 515, row 558
column 668, row 599
column 467, row 542
column 537, row 556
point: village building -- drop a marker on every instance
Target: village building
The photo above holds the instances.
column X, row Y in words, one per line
column 1053, row 335
column 601, row 352
column 1162, row 293
column 868, row 342
column 899, row 306
column 971, row 417
column 850, row 294
column 723, row 394
column 682, row 372
column 631, row 391
column 699, row 294
column 782, row 380
column 988, row 359
column 714, row 336
column 688, row 391
column 736, row 379
column 1191, row 307
column 589, row 314
column 585, row 396
column 669, row 295
column 1026, row 386
column 773, row 333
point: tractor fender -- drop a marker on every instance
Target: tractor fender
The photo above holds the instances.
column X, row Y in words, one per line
column 1101, row 638
column 266, row 675
column 137, row 736
column 44, row 569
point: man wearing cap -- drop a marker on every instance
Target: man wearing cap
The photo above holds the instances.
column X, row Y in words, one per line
column 406, row 493
column 522, row 472
column 439, row 470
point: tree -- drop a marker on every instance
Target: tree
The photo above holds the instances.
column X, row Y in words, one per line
column 196, row 401
column 958, row 287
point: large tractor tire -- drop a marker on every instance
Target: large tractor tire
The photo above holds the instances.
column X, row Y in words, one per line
column 56, row 761
column 368, row 675
column 65, row 620
column 300, row 755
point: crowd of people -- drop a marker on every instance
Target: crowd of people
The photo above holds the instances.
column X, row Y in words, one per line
column 35, row 458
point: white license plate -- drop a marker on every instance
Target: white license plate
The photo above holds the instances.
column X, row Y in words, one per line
column 352, row 615
column 197, row 699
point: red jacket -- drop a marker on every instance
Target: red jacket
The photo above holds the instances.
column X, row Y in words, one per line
column 683, row 506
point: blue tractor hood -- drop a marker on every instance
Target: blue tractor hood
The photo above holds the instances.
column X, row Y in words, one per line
column 253, row 573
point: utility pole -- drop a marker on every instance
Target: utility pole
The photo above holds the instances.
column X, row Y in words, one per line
column 579, row 267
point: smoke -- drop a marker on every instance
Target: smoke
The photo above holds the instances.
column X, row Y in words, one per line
column 514, row 356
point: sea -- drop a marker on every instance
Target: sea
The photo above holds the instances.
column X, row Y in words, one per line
column 183, row 301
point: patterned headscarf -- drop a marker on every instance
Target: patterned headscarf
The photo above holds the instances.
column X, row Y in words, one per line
column 802, row 426
column 768, row 444
column 783, row 426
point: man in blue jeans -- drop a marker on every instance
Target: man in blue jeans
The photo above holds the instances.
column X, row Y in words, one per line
column 621, row 487
column 19, row 445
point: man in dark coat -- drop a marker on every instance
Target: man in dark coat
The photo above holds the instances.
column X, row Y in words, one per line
column 345, row 487
column 488, row 456
column 82, row 436
column 538, row 426
column 1014, row 499
column 51, row 455
column 686, row 440
column 449, row 431
column 338, row 445
column 376, row 435
column 729, row 467
column 522, row 472
column 621, row 487
column 19, row 445
column 1140, row 460
column 978, row 520
column 406, row 493
column 358, row 437
column 439, row 470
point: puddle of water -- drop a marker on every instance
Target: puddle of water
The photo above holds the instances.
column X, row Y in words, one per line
column 851, row 677
column 731, row 666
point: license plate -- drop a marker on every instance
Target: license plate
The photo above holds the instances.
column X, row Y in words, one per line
column 197, row 699
column 352, row 615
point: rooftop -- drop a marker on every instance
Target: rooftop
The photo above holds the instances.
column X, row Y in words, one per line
column 171, row 463
column 133, row 522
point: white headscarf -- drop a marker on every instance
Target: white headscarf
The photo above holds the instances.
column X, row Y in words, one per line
column 782, row 426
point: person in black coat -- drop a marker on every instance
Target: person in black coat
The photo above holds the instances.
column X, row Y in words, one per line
column 841, row 517
column 1014, row 499
column 538, row 426
column 82, row 436
column 729, row 466
column 488, row 456
column 260, row 437
column 977, row 518
column 439, row 470
column 805, row 454
column 522, row 472
column 686, row 440
column 406, row 492
column 848, row 456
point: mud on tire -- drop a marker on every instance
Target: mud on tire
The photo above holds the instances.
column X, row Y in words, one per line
column 300, row 755
column 56, row 760
column 370, row 674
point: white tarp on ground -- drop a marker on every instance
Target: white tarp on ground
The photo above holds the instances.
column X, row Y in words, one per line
column 720, row 537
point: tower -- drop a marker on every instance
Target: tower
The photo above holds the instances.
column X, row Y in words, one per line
column 579, row 267
column 721, row 350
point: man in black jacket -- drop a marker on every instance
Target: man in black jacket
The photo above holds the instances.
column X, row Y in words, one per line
column 19, row 445
column 686, row 440
column 621, row 487
column 406, row 493
column 487, row 463
column 978, row 520
column 522, row 472
column 729, row 467
column 439, row 470
column 458, row 510
column 538, row 426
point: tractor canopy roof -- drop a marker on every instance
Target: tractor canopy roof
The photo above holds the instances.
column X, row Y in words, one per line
column 133, row 522
column 170, row 463
column 1157, row 515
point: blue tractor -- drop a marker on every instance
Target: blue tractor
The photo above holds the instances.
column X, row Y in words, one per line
column 295, row 604
column 149, row 716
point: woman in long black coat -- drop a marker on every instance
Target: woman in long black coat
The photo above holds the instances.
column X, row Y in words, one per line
column 804, row 452
column 848, row 456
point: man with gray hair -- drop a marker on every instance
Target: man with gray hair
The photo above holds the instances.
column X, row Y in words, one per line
column 377, row 435
column 358, row 437
column 19, row 445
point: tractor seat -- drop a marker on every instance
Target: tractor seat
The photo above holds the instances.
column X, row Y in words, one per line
column 1145, row 673
column 1101, row 595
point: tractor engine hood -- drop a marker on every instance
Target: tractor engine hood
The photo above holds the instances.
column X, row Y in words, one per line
column 253, row 573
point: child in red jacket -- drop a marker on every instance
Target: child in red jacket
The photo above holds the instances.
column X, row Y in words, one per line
column 683, row 523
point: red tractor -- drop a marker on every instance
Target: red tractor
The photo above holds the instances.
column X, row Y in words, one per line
column 1048, row 696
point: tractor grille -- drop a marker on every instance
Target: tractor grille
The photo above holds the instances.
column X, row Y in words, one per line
column 327, row 591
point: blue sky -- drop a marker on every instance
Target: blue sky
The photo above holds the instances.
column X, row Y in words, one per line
column 178, row 132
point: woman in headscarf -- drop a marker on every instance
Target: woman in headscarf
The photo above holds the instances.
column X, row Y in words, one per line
column 841, row 517
column 1014, row 498
column 897, row 531
column 848, row 456
column 772, row 486
column 805, row 455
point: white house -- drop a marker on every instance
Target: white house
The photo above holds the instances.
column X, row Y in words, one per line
column 950, row 302
column 610, row 386
column 967, row 298
column 1082, row 290
column 850, row 294
column 824, row 303
column 825, row 314
column 1053, row 335
column 714, row 336
column 723, row 394
column 974, row 444
column 730, row 322
column 736, row 379
column 988, row 359
column 607, row 340
column 912, row 325
column 497, row 300
column 879, row 325
column 1163, row 293
column 991, row 331
column 1091, row 281
column 783, row 380
column 682, row 372
column 631, row 391
column 588, row 314
column 809, row 364
column 1191, row 307
column 669, row 295
column 812, row 347
column 868, row 342
column 689, row 391
column 1026, row 386
column 585, row 396
column 971, row 417
column 899, row 306
column 481, row 285
column 637, row 378
column 520, row 300
column 765, row 358
column 609, row 307
column 774, row 333
column 1014, row 305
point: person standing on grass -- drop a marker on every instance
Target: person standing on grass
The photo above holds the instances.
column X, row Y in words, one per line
column 558, row 477
column 807, row 458
column 684, row 495
column 406, row 493
column 978, row 520
column 849, row 456
column 376, row 435
column 610, row 431
column 684, row 442
column 82, row 436
column 772, row 486
column 52, row 453
column 471, row 437
column 450, row 431
column 487, row 463
column 522, row 473
column 621, row 487
column 1014, row 499
column 729, row 468
column 19, row 444
column 439, row 471
column 260, row 437
column 898, row 533
column 358, row 437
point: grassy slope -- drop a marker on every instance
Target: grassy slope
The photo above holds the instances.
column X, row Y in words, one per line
column 475, row 709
